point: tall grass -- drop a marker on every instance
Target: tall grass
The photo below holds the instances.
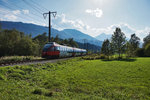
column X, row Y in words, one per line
column 9, row 59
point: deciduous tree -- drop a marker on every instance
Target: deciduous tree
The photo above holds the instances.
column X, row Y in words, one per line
column 118, row 41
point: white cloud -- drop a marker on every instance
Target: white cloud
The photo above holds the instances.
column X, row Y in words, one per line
column 10, row 17
column 25, row 11
column 62, row 22
column 97, row 12
column 16, row 12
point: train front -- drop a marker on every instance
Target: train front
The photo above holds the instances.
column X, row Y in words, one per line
column 50, row 50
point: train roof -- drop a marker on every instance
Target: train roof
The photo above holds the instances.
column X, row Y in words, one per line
column 56, row 44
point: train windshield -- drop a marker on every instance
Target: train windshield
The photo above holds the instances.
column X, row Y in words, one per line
column 46, row 47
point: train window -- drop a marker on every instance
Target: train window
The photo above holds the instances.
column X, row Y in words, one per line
column 60, row 48
column 46, row 47
column 56, row 48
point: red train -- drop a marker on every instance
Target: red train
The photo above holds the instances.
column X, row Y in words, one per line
column 54, row 50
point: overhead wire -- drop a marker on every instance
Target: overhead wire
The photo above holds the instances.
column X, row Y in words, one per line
column 14, row 4
column 25, row 17
column 39, row 5
column 37, row 10
column 31, row 6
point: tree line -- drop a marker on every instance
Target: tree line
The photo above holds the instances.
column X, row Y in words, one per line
column 119, row 45
column 13, row 42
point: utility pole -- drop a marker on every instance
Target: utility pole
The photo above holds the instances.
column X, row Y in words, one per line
column 54, row 15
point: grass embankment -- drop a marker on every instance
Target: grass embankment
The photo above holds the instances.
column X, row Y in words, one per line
column 10, row 59
column 77, row 79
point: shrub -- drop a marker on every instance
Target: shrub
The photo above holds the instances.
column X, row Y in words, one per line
column 140, row 52
column 147, row 50
column 119, row 58
column 91, row 57
column 102, row 56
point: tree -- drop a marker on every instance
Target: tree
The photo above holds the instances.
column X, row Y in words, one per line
column 146, row 45
column 106, row 47
column 140, row 52
column 128, row 49
column 65, row 41
column 26, row 47
column 111, row 49
column 118, row 41
column 8, row 40
column 41, row 39
column 13, row 42
column 56, row 39
column 147, row 50
column 133, row 44
column 146, row 40
column 72, row 43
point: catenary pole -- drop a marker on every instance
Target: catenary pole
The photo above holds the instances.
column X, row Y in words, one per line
column 54, row 15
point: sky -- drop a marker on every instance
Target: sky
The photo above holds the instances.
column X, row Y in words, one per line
column 93, row 17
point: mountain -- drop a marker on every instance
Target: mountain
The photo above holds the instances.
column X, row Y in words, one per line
column 35, row 30
column 80, row 37
column 103, row 36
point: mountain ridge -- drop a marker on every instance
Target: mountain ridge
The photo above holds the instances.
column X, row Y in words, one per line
column 34, row 30
column 103, row 36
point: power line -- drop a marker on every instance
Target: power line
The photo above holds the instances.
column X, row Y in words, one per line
column 14, row 4
column 36, row 9
column 31, row 6
column 39, row 5
column 25, row 17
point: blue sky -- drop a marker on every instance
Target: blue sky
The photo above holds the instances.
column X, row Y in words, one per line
column 92, row 17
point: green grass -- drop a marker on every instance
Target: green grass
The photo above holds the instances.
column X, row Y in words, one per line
column 77, row 79
column 10, row 59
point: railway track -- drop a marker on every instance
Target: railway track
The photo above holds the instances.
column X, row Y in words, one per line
column 33, row 62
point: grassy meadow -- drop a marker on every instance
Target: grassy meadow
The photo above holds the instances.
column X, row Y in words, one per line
column 77, row 79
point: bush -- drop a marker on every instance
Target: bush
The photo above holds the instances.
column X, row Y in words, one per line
column 140, row 52
column 147, row 50
column 119, row 58
column 94, row 57
column 102, row 56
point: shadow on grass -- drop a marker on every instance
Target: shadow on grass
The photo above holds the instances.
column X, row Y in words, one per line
column 123, row 59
